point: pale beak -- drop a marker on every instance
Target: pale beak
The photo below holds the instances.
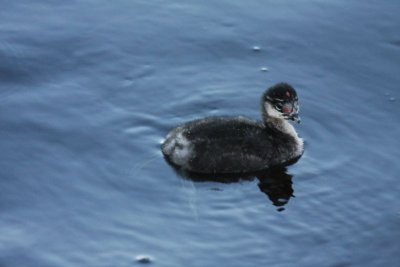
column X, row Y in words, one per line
column 295, row 117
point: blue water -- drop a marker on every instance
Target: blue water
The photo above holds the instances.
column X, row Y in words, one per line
column 88, row 90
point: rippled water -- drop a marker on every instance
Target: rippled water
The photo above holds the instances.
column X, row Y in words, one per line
column 89, row 89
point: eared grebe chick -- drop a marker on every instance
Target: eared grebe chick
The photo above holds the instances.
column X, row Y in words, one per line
column 239, row 144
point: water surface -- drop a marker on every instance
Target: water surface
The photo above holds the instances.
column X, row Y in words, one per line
column 89, row 89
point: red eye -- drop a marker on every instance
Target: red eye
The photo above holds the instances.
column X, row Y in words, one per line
column 287, row 94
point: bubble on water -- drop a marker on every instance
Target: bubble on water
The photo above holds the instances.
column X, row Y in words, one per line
column 144, row 259
column 264, row 69
column 256, row 48
column 392, row 99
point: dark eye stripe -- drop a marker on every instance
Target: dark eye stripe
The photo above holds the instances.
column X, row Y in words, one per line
column 273, row 100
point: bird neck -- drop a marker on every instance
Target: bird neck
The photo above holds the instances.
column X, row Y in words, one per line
column 281, row 125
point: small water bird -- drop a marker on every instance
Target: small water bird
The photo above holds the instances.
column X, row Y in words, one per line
column 239, row 144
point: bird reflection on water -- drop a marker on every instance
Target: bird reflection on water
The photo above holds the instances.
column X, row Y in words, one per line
column 276, row 183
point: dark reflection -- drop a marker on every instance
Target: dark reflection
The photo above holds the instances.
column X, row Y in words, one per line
column 276, row 183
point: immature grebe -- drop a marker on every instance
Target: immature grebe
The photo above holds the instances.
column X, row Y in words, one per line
column 239, row 144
